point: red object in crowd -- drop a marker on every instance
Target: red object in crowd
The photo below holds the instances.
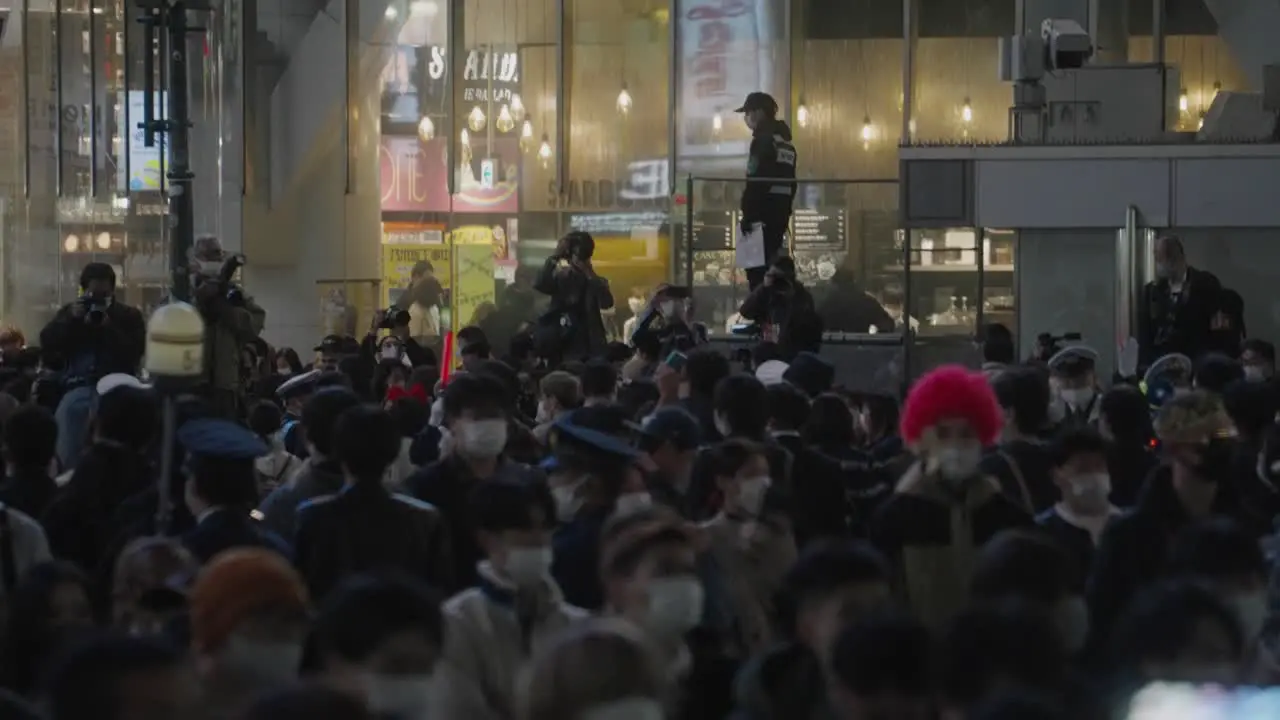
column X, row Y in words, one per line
column 446, row 359
column 417, row 392
column 952, row 391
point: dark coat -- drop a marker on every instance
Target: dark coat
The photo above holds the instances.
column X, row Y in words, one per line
column 580, row 298
column 117, row 345
column 366, row 529
column 1166, row 326
column 223, row 529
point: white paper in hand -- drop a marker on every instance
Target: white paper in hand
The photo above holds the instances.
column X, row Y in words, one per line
column 749, row 251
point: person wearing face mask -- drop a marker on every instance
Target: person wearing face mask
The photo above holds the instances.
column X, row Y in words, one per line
column 1177, row 307
column 475, row 430
column 831, row 586
column 752, row 545
column 1075, row 397
column 494, row 628
column 665, row 321
column 598, row 670
column 249, row 619
column 365, row 527
column 381, row 639
column 670, row 438
column 1084, row 485
column 593, row 466
column 232, row 320
column 944, row 507
column 1259, row 359
column 1197, row 441
column 1228, row 558
column 649, row 567
column 559, row 393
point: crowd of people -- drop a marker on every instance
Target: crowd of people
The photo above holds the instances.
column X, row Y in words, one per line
column 553, row 526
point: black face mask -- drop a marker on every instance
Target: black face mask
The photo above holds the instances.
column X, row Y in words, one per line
column 1215, row 460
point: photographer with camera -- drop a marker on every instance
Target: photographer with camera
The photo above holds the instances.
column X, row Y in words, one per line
column 572, row 328
column 783, row 311
column 232, row 320
column 398, row 352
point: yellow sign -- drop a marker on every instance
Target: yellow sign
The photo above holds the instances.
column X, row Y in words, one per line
column 397, row 267
column 473, row 291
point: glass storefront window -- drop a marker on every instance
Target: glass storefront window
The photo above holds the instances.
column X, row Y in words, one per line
column 957, row 94
column 961, row 278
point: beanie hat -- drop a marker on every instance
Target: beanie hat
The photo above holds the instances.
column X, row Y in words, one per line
column 952, row 391
column 236, row 585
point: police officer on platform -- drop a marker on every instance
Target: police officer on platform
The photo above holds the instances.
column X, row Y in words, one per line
column 772, row 157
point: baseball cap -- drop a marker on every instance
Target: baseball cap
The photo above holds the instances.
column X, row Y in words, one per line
column 759, row 101
column 330, row 344
column 237, row 585
column 671, row 425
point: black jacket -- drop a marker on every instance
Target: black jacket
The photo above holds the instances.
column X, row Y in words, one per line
column 791, row 308
column 817, row 498
column 79, row 520
column 1024, row 470
column 29, row 490
column 117, row 345
column 223, row 529
column 772, row 157
column 1134, row 547
column 581, row 299
column 1166, row 325
column 366, row 529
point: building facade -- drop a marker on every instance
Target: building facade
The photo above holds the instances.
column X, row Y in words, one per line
column 339, row 143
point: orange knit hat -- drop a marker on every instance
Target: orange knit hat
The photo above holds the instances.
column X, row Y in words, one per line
column 236, row 585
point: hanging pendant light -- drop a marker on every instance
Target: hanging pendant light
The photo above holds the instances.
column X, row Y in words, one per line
column 1184, row 100
column 966, row 111
column 544, row 150
column 426, row 129
column 717, row 123
column 517, row 107
column 505, row 122
column 465, row 137
column 868, row 130
column 802, row 114
column 526, row 135
column 624, row 100
column 476, row 119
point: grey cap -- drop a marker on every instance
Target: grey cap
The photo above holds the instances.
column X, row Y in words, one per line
column 1073, row 360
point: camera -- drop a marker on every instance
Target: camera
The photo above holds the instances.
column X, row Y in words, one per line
column 95, row 309
column 1067, row 45
column 393, row 317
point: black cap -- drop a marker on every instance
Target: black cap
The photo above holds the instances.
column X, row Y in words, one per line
column 330, row 344
column 222, row 439
column 759, row 101
column 674, row 425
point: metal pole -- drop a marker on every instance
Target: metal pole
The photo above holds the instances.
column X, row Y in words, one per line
column 167, row 431
column 93, row 99
column 25, row 20
column 456, row 51
column 178, row 130
column 688, row 231
column 126, row 130
column 562, row 94
column 908, row 58
column 673, row 93
column 57, row 110
column 351, row 69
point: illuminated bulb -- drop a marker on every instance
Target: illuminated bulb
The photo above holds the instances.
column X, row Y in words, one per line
column 505, row 122
column 71, row 243
column 465, row 137
column 517, row 107
column 392, row 12
column 104, row 241
column 1184, row 102
column 868, row 131
column 476, row 119
column 426, row 129
column 544, row 150
column 716, row 123
column 1200, row 126
column 526, row 136
column 1217, row 88
column 802, row 114
column 624, row 100
column 966, row 111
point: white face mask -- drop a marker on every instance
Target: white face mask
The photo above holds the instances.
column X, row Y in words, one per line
column 637, row 708
column 210, row 267
column 751, row 494
column 1072, row 619
column 1251, row 609
column 631, row 502
column 1093, row 486
column 482, row 438
column 675, row 605
column 447, row 442
column 957, row 462
column 567, row 501
column 402, row 697
column 1254, row 373
column 528, row 566
column 1078, row 398
column 722, row 425
column 636, row 305
column 277, row 662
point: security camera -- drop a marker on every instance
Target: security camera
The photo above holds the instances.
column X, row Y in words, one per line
column 1067, row 45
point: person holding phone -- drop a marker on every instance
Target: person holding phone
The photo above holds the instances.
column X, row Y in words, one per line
column 572, row 328
column 666, row 319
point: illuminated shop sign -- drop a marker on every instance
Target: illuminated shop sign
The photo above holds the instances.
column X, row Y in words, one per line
column 725, row 54
column 645, row 186
column 414, row 177
column 416, row 81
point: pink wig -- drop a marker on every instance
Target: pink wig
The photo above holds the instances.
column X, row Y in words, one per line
column 952, row 391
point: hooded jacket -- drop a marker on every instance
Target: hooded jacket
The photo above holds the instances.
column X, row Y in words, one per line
column 772, row 156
